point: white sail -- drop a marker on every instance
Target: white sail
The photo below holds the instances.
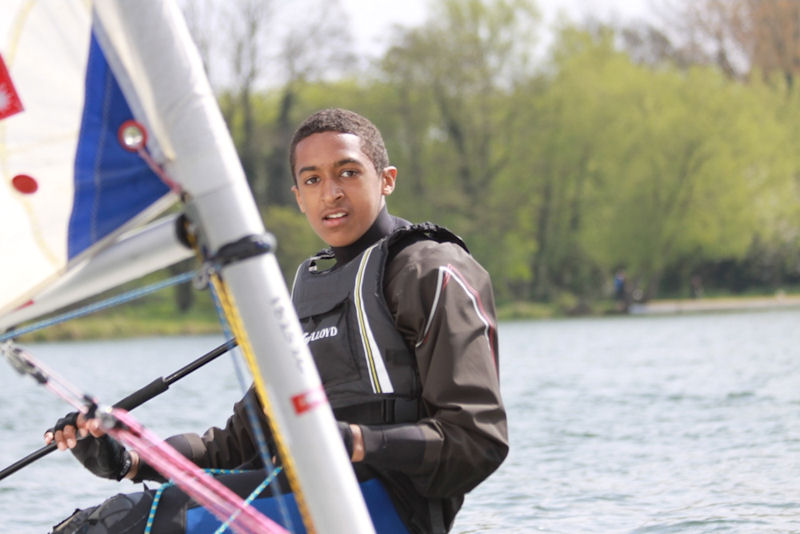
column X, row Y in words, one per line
column 67, row 184
column 131, row 256
column 141, row 64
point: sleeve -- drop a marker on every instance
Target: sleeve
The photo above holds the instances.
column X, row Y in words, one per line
column 220, row 448
column 442, row 303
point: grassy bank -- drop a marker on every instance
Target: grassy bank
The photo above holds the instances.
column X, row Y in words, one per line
column 156, row 315
column 121, row 326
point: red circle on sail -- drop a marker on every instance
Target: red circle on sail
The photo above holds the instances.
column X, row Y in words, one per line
column 132, row 135
column 25, row 184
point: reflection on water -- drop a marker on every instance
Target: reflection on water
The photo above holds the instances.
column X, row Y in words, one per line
column 637, row 425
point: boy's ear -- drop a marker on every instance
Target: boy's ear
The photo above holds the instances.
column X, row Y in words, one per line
column 389, row 177
column 298, row 198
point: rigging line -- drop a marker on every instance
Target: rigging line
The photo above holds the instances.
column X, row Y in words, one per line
column 98, row 306
column 159, row 171
column 224, row 310
column 232, row 324
column 208, row 276
column 120, row 425
column 261, row 440
column 132, row 136
column 25, row 364
column 283, row 451
column 205, row 489
column 134, row 400
column 250, row 498
column 151, row 517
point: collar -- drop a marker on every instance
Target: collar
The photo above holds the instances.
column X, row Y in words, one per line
column 383, row 225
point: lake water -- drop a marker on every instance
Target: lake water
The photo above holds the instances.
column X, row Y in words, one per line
column 631, row 425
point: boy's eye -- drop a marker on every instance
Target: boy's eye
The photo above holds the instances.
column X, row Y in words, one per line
column 349, row 173
column 311, row 180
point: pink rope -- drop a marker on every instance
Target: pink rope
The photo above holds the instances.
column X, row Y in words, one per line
column 159, row 171
column 205, row 489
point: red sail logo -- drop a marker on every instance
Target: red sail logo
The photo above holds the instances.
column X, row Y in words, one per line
column 9, row 99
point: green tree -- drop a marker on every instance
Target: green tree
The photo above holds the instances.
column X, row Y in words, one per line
column 618, row 164
column 685, row 161
column 558, row 119
column 450, row 78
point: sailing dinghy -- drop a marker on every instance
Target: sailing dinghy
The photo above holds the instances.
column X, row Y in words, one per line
column 107, row 119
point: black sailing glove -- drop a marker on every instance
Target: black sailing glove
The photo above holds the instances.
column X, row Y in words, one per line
column 347, row 437
column 103, row 456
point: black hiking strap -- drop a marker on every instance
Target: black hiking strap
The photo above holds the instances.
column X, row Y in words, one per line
column 246, row 247
column 437, row 516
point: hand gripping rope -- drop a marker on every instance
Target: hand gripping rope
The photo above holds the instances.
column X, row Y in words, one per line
column 219, row 500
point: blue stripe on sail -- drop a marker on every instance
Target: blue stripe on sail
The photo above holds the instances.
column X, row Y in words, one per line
column 112, row 185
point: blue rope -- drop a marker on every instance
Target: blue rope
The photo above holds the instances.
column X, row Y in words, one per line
column 250, row 498
column 251, row 410
column 153, row 507
column 98, row 306
column 251, row 416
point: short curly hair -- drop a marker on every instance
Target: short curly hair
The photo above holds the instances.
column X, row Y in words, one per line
column 343, row 121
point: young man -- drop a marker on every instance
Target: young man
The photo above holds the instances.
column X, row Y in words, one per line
column 400, row 322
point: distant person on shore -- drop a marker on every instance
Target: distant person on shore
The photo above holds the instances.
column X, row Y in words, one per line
column 619, row 285
column 696, row 286
column 619, row 288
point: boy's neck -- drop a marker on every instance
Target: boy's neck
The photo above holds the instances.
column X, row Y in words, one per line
column 383, row 225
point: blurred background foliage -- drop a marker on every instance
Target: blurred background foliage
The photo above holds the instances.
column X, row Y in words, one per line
column 661, row 151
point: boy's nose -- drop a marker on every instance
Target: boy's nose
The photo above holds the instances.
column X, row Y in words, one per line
column 332, row 191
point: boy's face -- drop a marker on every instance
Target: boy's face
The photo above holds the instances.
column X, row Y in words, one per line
column 337, row 186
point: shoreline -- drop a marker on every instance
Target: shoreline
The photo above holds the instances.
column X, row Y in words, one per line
column 122, row 325
column 715, row 304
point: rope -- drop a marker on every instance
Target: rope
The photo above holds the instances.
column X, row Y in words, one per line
column 232, row 327
column 202, row 487
column 261, row 441
column 209, row 492
column 224, row 307
column 99, row 306
column 250, row 498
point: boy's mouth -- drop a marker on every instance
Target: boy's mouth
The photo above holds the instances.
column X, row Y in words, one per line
column 335, row 218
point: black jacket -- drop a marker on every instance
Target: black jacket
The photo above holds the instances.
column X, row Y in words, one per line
column 442, row 304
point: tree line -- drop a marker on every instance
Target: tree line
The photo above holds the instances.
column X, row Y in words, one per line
column 662, row 151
